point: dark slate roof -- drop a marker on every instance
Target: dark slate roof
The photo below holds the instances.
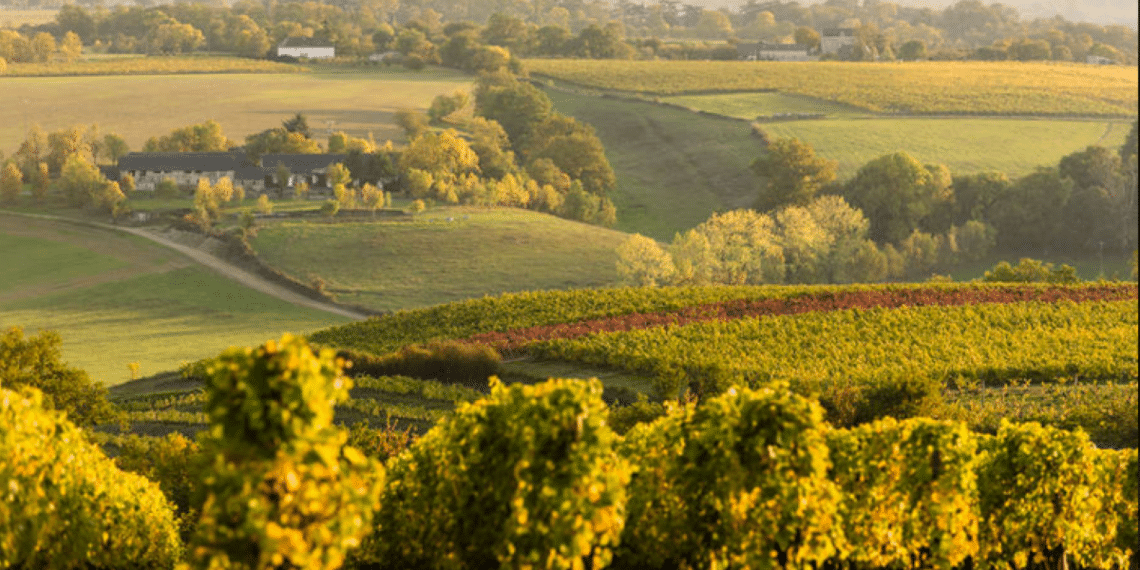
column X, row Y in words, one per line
column 782, row 47
column 301, row 162
column 304, row 42
column 249, row 173
column 836, row 32
column 169, row 161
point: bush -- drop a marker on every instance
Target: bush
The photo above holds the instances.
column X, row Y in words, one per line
column 330, row 208
column 907, row 492
column 525, row 478
column 167, row 188
column 1031, row 271
column 65, row 505
column 170, row 462
column 282, row 489
column 1040, row 499
column 446, row 361
column 740, row 481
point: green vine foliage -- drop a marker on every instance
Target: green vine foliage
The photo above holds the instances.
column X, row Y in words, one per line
column 64, row 504
column 738, row 482
column 909, row 492
column 526, row 478
column 1041, row 499
column 283, row 490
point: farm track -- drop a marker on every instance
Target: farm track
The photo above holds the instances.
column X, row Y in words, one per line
column 513, row 342
column 223, row 268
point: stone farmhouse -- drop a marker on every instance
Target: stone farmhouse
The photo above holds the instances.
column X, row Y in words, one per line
column 834, row 39
column 186, row 168
column 775, row 52
column 311, row 48
column 309, row 168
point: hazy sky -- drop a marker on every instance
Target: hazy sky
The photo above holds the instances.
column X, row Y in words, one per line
column 1102, row 12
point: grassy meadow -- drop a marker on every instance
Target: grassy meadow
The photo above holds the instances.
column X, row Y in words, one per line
column 356, row 100
column 117, row 299
column 935, row 87
column 441, row 255
column 675, row 166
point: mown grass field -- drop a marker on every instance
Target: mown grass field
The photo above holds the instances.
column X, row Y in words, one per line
column 441, row 255
column 986, row 88
column 356, row 100
column 117, row 299
column 14, row 18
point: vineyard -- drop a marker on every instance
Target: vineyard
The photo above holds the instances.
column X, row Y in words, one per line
column 929, row 426
column 156, row 65
column 975, row 88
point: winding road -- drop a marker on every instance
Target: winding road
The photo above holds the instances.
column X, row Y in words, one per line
column 219, row 265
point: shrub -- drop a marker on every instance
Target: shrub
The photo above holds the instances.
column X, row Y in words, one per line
column 282, row 489
column 1030, row 271
column 525, row 478
column 908, row 493
column 65, row 505
column 167, row 188
column 1040, row 499
column 170, row 462
column 740, row 481
column 446, row 361
column 330, row 208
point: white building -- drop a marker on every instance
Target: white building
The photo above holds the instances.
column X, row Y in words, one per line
column 310, row 48
column 834, row 39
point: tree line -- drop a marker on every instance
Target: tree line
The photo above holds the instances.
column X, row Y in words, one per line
column 968, row 29
column 897, row 218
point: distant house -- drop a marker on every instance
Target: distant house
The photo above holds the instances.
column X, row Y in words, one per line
column 184, row 168
column 311, row 48
column 775, row 52
column 386, row 57
column 309, row 168
column 834, row 39
column 1099, row 60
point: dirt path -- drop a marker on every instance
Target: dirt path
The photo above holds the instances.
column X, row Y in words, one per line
column 222, row 267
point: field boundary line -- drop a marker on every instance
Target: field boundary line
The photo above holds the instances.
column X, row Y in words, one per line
column 212, row 262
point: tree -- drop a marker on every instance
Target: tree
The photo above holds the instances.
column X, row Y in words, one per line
column 114, row 147
column 443, row 155
column 575, row 150
column 517, row 106
column 490, row 143
column 975, row 194
column 444, row 105
column 11, row 182
column 279, row 141
column 1131, row 144
column 41, row 182
column 71, row 48
column 64, row 143
column 298, row 124
column 37, row 362
column 913, row 50
column 205, row 137
column 412, row 121
column 642, row 261
column 509, row 32
column 896, row 193
column 1031, row 215
column 792, row 174
column 713, row 25
column 43, row 47
column 808, row 37
column 32, row 151
column 1030, row 270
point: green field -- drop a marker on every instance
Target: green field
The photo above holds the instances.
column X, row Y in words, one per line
column 442, row 255
column 675, row 167
column 358, row 101
column 117, row 299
